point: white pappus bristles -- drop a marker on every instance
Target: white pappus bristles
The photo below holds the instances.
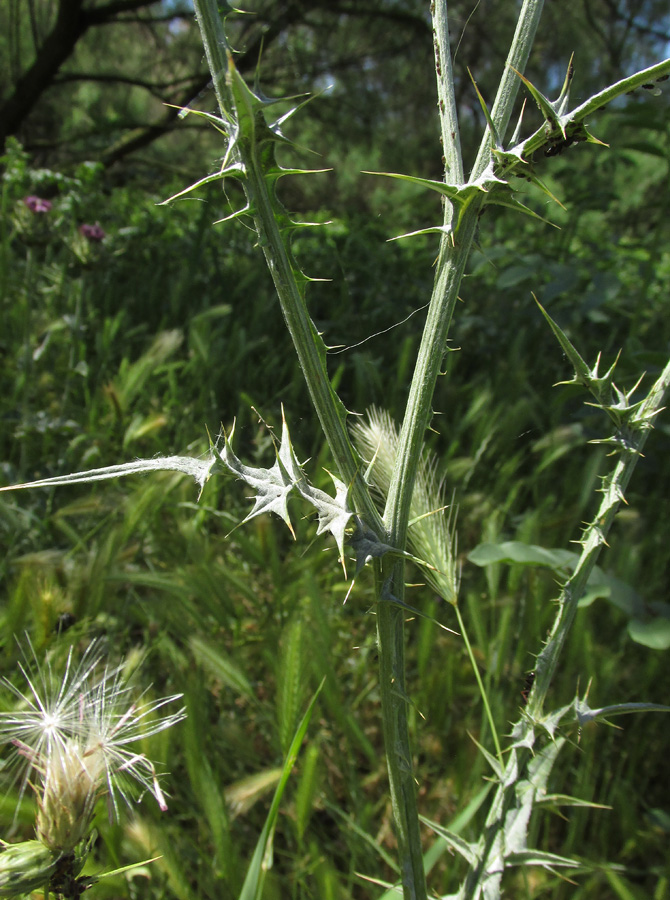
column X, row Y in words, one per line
column 73, row 740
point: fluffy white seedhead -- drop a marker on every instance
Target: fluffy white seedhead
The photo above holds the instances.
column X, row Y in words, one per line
column 74, row 741
column 47, row 711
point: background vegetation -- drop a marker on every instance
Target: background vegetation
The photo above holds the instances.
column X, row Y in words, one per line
column 133, row 344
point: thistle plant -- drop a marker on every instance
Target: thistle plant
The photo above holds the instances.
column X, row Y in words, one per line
column 388, row 464
column 73, row 740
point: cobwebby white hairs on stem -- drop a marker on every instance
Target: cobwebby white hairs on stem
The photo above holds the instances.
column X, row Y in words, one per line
column 73, row 740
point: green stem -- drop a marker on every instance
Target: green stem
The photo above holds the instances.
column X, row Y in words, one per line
column 455, row 249
column 390, row 639
column 480, row 684
column 446, row 98
column 390, row 616
column 517, row 58
column 216, row 49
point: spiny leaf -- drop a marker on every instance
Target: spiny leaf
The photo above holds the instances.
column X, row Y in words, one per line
column 619, row 88
column 526, row 792
column 541, row 765
column 432, row 229
column 582, row 371
column 564, row 96
column 512, row 203
column 238, row 214
column 517, row 130
column 601, row 386
column 585, row 714
column 569, row 126
column 467, row 850
column 592, row 139
column 234, row 171
column 277, row 125
column 460, row 193
column 225, row 126
column 551, row 721
column 543, row 187
column 512, row 157
column 547, row 108
column 227, row 9
column 523, row 732
column 279, row 172
column 272, row 486
column 495, row 139
column 199, row 469
column 333, row 512
column 492, row 761
column 250, row 109
column 541, row 858
column 567, row 800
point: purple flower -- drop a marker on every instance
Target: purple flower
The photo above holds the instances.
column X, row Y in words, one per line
column 37, row 205
column 92, row 232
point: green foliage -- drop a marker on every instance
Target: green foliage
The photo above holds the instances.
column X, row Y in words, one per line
column 130, row 347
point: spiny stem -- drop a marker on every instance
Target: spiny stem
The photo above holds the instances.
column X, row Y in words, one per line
column 446, row 97
column 517, row 59
column 455, row 247
column 301, row 328
column 593, row 541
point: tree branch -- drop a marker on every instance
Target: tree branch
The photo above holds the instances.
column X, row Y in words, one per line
column 156, row 88
column 72, row 22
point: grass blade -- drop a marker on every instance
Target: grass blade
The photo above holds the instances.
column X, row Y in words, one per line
column 262, row 859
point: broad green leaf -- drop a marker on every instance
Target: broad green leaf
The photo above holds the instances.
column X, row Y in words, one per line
column 524, row 554
column 600, row 584
column 652, row 632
